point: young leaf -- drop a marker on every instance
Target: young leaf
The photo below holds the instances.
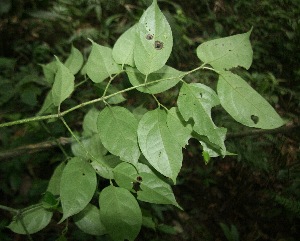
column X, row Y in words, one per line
column 104, row 166
column 116, row 99
column 117, row 129
column 227, row 53
column 89, row 124
column 89, row 221
column 100, row 64
column 48, row 106
column 152, row 188
column 157, row 144
column 181, row 131
column 49, row 71
column 195, row 101
column 244, row 104
column 123, row 49
column 92, row 147
column 77, row 186
column 54, row 183
column 34, row 218
column 75, row 61
column 169, row 76
column 154, row 40
column 63, row 84
column 120, row 213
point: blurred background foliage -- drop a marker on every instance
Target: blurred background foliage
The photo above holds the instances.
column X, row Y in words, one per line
column 254, row 195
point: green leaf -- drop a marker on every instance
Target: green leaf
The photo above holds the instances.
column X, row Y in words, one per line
column 48, row 106
column 118, row 132
column 92, row 147
column 104, row 166
column 195, row 101
column 169, row 76
column 116, row 99
column 157, row 144
column 154, row 41
column 75, row 61
column 227, row 53
column 180, row 130
column 89, row 221
column 100, row 64
column 124, row 47
column 244, row 104
column 35, row 218
column 49, row 71
column 89, row 124
column 153, row 189
column 77, row 186
column 63, row 84
column 54, row 183
column 120, row 213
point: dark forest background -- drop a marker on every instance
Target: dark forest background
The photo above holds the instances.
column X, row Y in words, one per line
column 254, row 195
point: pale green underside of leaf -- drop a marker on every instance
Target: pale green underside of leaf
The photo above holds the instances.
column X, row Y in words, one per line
column 158, row 145
column 195, row 101
column 100, row 64
column 104, row 166
column 118, row 132
column 228, row 52
column 244, row 104
column 34, row 219
column 77, row 186
column 75, row 61
column 89, row 221
column 63, row 84
column 120, row 213
column 123, row 49
column 169, row 76
column 48, row 106
column 89, row 124
column 93, row 148
column 180, row 130
column 49, row 71
column 147, row 58
column 153, row 189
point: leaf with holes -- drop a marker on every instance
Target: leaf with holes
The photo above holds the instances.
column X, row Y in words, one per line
column 154, row 40
column 77, row 186
column 244, row 104
column 169, row 76
column 34, row 218
column 75, row 61
column 152, row 188
column 124, row 47
column 100, row 64
column 120, row 213
column 63, row 85
column 89, row 221
column 227, row 53
column 195, row 101
column 117, row 128
column 158, row 145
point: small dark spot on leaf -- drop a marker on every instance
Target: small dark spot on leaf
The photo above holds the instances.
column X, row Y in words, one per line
column 136, row 185
column 255, row 119
column 158, row 45
column 83, row 174
column 229, row 50
column 149, row 36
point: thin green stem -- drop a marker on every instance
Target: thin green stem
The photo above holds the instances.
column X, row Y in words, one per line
column 46, row 117
column 9, row 209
